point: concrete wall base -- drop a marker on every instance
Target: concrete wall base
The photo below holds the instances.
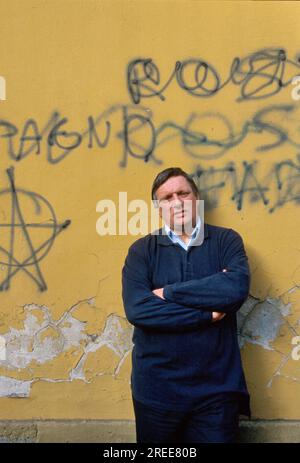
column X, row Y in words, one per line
column 102, row 431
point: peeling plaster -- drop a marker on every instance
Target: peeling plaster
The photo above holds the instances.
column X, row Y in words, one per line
column 113, row 337
column 10, row 387
column 42, row 340
column 260, row 322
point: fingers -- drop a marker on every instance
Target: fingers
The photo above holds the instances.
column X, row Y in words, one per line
column 216, row 316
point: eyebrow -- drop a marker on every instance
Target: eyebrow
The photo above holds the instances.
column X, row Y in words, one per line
column 178, row 192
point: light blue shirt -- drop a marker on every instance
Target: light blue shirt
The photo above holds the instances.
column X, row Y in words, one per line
column 176, row 238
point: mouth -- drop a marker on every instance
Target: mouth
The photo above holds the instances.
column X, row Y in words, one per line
column 181, row 212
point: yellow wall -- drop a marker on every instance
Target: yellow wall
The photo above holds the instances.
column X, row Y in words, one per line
column 68, row 343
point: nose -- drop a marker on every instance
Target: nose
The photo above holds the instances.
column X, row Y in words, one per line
column 177, row 202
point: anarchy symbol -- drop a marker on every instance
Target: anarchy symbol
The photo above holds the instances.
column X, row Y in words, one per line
column 34, row 239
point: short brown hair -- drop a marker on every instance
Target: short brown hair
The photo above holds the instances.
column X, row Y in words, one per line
column 164, row 175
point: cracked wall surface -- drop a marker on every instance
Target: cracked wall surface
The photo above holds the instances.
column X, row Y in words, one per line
column 68, row 349
column 85, row 345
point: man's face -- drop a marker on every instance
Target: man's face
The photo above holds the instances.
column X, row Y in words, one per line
column 177, row 204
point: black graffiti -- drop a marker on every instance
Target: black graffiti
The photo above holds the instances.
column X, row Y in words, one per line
column 259, row 75
column 133, row 124
column 17, row 224
column 60, row 142
column 141, row 140
column 198, row 144
column 279, row 186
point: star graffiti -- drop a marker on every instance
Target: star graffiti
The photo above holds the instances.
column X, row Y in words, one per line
column 21, row 231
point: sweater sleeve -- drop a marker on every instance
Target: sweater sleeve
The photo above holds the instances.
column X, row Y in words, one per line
column 222, row 291
column 146, row 310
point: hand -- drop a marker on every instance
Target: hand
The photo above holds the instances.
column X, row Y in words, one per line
column 216, row 316
column 159, row 292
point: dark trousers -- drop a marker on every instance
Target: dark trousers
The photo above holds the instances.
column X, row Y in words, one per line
column 213, row 420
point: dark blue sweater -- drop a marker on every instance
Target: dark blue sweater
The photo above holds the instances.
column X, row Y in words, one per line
column 179, row 354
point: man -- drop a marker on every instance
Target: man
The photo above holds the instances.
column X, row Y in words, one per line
column 182, row 288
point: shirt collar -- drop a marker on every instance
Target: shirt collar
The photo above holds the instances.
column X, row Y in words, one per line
column 171, row 234
column 163, row 238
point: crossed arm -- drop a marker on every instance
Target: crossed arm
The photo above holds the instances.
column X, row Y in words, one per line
column 216, row 316
column 145, row 309
column 189, row 304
